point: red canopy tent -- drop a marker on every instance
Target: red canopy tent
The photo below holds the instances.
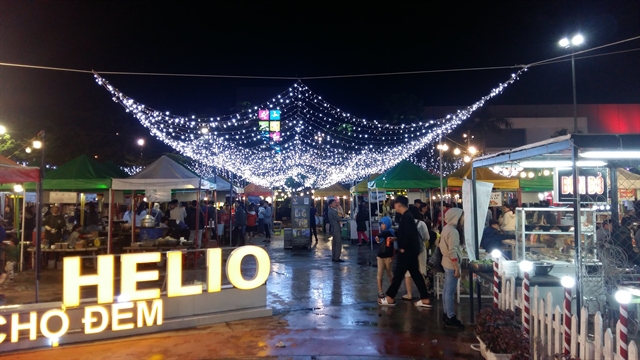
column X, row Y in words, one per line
column 11, row 172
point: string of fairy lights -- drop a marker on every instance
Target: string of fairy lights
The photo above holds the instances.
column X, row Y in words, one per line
column 314, row 142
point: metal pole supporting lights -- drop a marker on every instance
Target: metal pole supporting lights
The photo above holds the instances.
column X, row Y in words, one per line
column 575, row 41
column 141, row 144
column 39, row 144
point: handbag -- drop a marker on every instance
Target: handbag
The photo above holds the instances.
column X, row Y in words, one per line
column 435, row 261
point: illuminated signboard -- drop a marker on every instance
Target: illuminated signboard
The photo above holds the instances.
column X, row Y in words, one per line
column 592, row 185
column 146, row 303
column 269, row 126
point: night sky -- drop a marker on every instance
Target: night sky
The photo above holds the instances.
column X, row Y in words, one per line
column 298, row 39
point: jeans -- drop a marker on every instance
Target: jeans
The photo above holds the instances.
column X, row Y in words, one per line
column 449, row 292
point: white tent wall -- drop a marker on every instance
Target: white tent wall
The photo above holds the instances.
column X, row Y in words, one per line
column 483, row 195
column 413, row 195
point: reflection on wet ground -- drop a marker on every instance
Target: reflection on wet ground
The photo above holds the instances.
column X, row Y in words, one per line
column 322, row 310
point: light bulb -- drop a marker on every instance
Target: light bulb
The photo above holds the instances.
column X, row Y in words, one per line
column 546, row 172
column 141, row 142
column 37, row 144
column 28, row 150
column 456, row 151
column 3, row 130
column 531, row 174
column 564, row 42
column 466, row 158
column 473, row 150
column 577, row 40
column 523, row 174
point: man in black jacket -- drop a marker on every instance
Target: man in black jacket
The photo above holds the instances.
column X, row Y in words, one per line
column 408, row 239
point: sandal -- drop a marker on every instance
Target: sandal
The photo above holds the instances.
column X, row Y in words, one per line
column 407, row 297
column 384, row 302
column 421, row 304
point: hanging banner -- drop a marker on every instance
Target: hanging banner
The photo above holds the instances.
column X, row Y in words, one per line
column 58, row 197
column 158, row 195
column 624, row 194
column 30, row 197
column 592, row 184
column 483, row 196
column 375, row 197
column 496, row 199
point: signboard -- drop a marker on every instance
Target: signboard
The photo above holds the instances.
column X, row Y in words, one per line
column 627, row 194
column 63, row 197
column 137, row 306
column 270, row 127
column 300, row 216
column 375, row 197
column 592, row 184
column 496, row 199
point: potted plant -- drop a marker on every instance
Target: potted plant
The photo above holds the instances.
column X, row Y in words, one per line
column 500, row 335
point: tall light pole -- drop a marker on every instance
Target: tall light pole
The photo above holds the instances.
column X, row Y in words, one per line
column 39, row 144
column 141, row 144
column 575, row 41
column 442, row 148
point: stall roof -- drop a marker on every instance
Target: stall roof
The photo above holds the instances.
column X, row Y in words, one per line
column 81, row 173
column 363, row 186
column 115, row 170
column 335, row 189
column 219, row 183
column 256, row 190
column 405, row 175
column 12, row 172
column 163, row 173
column 560, row 148
column 455, row 179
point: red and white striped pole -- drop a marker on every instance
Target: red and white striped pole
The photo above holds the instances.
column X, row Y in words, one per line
column 623, row 297
column 568, row 283
column 495, row 254
column 526, row 266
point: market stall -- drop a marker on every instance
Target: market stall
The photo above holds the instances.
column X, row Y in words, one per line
column 573, row 238
column 158, row 180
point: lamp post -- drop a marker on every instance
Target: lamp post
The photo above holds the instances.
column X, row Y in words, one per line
column 575, row 41
column 441, row 148
column 141, row 144
column 39, row 144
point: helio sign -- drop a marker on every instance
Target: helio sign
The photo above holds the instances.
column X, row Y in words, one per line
column 146, row 305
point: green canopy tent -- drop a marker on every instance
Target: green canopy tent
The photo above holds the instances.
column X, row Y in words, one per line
column 81, row 173
column 405, row 175
column 115, row 170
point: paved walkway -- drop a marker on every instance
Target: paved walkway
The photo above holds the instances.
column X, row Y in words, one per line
column 322, row 310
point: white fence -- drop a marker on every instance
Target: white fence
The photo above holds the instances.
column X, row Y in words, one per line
column 547, row 328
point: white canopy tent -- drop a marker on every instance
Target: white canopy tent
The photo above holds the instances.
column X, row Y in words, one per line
column 163, row 173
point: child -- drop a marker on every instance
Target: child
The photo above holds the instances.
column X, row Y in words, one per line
column 11, row 255
column 385, row 252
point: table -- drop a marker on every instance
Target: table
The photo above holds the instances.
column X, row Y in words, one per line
column 92, row 250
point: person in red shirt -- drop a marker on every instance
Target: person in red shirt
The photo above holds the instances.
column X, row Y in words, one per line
column 252, row 221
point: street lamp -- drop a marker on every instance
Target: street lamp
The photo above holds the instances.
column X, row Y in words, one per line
column 141, row 144
column 3, row 130
column 39, row 144
column 575, row 41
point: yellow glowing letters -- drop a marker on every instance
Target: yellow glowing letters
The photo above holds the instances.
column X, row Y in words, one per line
column 234, row 269
column 72, row 280
column 174, row 277
column 130, row 276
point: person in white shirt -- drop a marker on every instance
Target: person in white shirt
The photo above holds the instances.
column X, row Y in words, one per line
column 508, row 220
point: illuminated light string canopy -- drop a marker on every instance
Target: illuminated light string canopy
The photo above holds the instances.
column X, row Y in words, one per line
column 316, row 143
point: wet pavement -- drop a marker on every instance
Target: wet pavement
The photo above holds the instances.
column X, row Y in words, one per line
column 322, row 310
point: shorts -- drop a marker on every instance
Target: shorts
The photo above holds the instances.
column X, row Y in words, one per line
column 385, row 265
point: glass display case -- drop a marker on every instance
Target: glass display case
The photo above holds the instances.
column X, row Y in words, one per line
column 547, row 234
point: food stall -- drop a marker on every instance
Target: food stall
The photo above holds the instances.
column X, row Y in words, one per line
column 565, row 236
column 158, row 180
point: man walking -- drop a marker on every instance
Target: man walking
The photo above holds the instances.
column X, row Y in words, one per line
column 408, row 239
column 336, row 224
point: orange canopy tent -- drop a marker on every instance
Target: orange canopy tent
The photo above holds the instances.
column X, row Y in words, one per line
column 256, row 190
column 11, row 172
column 482, row 174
